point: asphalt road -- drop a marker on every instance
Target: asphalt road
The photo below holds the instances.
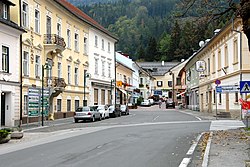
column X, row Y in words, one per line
column 148, row 137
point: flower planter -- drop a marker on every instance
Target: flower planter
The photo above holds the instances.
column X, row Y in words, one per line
column 16, row 135
column 5, row 140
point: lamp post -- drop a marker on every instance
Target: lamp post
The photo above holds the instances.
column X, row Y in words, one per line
column 111, row 86
column 86, row 75
column 44, row 67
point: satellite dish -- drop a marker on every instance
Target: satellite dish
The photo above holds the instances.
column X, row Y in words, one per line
column 201, row 43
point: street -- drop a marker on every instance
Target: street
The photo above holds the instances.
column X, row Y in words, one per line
column 148, row 137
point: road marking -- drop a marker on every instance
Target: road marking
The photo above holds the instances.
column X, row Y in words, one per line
column 198, row 118
column 192, row 148
column 185, row 162
column 156, row 118
column 191, row 115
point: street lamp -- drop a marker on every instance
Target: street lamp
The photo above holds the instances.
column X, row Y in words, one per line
column 86, row 75
column 111, row 86
column 44, row 67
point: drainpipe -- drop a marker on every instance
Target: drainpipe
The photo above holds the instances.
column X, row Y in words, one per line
column 115, row 73
column 240, row 56
column 21, row 69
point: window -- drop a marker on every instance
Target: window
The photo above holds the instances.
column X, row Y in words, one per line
column 59, row 29
column 102, row 44
column 37, row 66
column 85, row 43
column 109, row 70
column 25, row 15
column 103, row 68
column 178, row 81
column 5, row 59
column 76, row 104
column 37, row 21
column 76, row 76
column 208, row 66
column 213, row 63
column 226, row 56
column 5, row 11
column 25, row 63
column 141, row 80
column 68, row 105
column 59, row 68
column 206, row 97
column 235, row 51
column 96, row 66
column 96, row 41
column 69, row 38
column 159, row 83
column 219, row 98
column 76, row 42
column 108, row 46
column 236, row 97
column 69, row 75
column 25, row 105
column 219, row 60
column 59, row 105
column 48, row 25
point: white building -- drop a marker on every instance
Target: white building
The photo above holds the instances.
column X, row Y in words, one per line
column 9, row 67
column 101, row 66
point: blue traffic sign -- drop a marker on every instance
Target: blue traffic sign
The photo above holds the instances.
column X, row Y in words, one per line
column 244, row 86
column 218, row 89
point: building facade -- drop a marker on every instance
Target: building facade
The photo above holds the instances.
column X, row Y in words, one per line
column 55, row 55
column 10, row 34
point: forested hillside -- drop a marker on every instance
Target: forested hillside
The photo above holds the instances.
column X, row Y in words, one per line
column 155, row 30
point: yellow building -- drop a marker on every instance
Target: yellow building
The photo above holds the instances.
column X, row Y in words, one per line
column 57, row 41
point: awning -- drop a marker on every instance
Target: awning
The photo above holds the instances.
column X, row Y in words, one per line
column 182, row 93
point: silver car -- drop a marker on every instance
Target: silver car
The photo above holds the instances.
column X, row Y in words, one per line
column 87, row 113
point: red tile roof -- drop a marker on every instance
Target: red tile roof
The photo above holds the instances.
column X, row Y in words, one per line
column 81, row 15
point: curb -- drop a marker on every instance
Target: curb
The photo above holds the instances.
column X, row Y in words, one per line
column 206, row 155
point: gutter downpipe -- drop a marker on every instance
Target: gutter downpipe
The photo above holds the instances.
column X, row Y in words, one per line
column 240, row 58
column 21, row 70
column 115, row 75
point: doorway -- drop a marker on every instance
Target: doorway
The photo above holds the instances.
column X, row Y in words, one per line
column 2, row 109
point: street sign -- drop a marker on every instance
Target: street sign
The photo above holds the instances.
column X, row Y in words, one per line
column 244, row 86
column 227, row 89
column 217, row 82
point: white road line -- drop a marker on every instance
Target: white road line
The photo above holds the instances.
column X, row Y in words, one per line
column 191, row 115
column 156, row 118
column 185, row 162
column 192, row 148
column 198, row 118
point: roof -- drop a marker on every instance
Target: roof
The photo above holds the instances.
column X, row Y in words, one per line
column 84, row 17
column 11, row 24
column 162, row 67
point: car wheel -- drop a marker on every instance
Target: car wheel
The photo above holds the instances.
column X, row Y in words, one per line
column 76, row 120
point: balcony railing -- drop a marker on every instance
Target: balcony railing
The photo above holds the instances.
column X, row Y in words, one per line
column 54, row 82
column 54, row 40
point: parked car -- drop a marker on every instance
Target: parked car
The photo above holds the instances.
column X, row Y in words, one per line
column 146, row 103
column 170, row 103
column 115, row 111
column 103, row 109
column 87, row 113
column 124, row 109
column 151, row 101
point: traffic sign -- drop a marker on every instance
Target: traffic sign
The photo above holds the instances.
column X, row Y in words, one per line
column 217, row 82
column 227, row 89
column 244, row 86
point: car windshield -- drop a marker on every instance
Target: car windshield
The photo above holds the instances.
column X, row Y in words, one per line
column 82, row 109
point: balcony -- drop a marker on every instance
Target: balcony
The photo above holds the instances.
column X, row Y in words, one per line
column 54, row 43
column 57, row 84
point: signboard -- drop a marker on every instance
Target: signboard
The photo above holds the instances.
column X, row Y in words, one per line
column 244, row 86
column 217, row 82
column 227, row 89
column 200, row 66
column 35, row 101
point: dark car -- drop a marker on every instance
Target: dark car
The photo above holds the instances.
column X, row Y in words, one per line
column 115, row 111
column 170, row 103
